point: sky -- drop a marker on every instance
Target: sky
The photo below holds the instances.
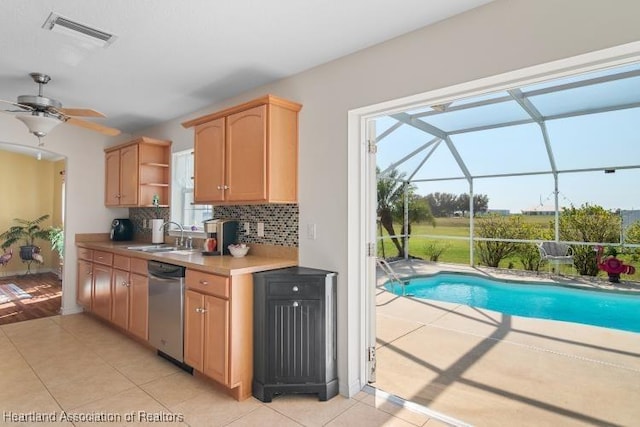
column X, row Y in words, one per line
column 602, row 140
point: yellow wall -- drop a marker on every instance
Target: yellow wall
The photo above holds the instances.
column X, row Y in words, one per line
column 30, row 188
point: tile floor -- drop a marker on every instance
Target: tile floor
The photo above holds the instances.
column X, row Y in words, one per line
column 491, row 369
column 77, row 366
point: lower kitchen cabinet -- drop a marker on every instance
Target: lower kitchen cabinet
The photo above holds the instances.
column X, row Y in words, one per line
column 139, row 299
column 101, row 303
column 207, row 335
column 85, row 282
column 116, row 288
column 130, row 296
column 120, row 294
column 219, row 329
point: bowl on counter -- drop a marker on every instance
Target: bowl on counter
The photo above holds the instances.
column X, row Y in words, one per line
column 238, row 251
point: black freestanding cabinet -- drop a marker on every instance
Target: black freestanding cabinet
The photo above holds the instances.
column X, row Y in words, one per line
column 294, row 326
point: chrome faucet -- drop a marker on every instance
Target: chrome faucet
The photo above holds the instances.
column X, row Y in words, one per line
column 178, row 242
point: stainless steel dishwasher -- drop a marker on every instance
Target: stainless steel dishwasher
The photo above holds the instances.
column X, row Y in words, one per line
column 166, row 302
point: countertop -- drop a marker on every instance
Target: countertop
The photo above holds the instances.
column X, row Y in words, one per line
column 225, row 265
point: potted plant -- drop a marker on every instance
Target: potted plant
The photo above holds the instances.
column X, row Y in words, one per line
column 56, row 236
column 27, row 231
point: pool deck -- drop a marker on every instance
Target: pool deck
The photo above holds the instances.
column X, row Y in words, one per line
column 491, row 369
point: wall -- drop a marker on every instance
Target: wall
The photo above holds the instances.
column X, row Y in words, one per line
column 501, row 37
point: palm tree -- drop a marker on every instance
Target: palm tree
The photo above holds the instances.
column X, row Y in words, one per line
column 391, row 206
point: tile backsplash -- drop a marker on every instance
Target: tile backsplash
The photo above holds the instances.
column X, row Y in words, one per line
column 280, row 222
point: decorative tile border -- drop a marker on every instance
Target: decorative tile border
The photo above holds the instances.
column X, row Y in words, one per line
column 280, row 222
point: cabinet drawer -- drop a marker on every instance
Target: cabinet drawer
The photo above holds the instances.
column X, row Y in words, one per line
column 121, row 262
column 139, row 266
column 207, row 283
column 84, row 253
column 295, row 289
column 101, row 257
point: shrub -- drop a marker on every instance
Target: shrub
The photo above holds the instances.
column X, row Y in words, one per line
column 498, row 227
column 588, row 224
column 434, row 249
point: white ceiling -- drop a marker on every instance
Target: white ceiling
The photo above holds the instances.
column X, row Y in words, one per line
column 174, row 57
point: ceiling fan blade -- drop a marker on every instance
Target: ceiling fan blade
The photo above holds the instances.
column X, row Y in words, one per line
column 93, row 126
column 81, row 112
column 15, row 104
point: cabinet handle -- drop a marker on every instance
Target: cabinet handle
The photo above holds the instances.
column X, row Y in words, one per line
column 204, row 282
column 219, row 187
column 295, row 304
column 295, row 289
column 200, row 310
column 225, row 187
column 123, row 284
column 89, row 273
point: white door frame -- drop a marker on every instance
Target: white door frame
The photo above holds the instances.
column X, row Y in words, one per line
column 360, row 267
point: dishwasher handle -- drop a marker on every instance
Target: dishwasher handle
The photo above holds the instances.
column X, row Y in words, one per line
column 161, row 278
column 163, row 270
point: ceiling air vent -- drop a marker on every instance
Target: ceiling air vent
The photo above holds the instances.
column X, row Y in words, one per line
column 60, row 24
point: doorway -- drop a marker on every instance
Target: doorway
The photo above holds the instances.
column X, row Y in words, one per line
column 371, row 292
column 31, row 286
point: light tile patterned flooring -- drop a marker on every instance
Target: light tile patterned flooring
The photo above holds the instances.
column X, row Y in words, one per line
column 78, row 365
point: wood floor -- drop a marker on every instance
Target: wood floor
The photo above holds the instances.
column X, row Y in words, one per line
column 46, row 295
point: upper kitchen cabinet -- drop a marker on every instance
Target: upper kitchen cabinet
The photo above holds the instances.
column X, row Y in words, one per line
column 247, row 153
column 136, row 171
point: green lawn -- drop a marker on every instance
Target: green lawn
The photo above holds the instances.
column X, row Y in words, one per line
column 457, row 251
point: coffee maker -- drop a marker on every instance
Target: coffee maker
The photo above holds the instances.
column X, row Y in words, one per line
column 220, row 234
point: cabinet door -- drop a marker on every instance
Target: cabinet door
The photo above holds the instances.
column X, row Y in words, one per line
column 216, row 339
column 246, row 156
column 120, row 298
column 294, row 341
column 85, row 280
column 102, row 291
column 112, row 178
column 208, row 162
column 193, row 329
column 139, row 306
column 129, row 175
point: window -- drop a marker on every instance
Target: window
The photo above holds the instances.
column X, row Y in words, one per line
column 183, row 210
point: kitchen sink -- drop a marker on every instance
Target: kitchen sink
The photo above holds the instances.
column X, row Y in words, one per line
column 153, row 248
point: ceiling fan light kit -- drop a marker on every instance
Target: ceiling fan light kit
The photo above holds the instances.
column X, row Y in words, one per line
column 41, row 114
column 39, row 123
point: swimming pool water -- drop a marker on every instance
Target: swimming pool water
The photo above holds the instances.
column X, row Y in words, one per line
column 607, row 309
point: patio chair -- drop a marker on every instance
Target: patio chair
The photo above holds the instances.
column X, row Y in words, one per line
column 556, row 253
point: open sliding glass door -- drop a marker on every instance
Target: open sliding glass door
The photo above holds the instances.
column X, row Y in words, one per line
column 371, row 198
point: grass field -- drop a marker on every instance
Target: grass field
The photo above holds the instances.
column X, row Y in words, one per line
column 457, row 251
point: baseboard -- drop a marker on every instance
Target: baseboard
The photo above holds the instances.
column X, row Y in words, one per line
column 34, row 270
column 73, row 310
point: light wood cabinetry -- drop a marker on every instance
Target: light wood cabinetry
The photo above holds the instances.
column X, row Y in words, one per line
column 85, row 278
column 248, row 153
column 101, row 284
column 139, row 299
column 208, row 162
column 218, row 329
column 116, row 288
column 136, row 171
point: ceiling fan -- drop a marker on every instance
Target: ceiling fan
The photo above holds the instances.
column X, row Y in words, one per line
column 41, row 114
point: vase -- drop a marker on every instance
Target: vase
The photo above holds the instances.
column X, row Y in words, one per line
column 157, row 232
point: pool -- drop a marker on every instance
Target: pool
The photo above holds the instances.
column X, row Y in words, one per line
column 607, row 309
